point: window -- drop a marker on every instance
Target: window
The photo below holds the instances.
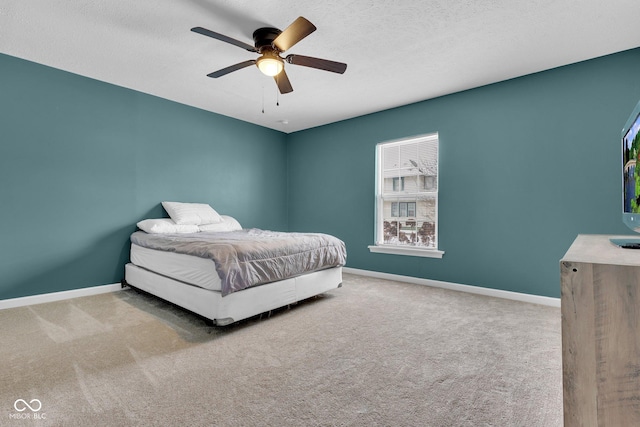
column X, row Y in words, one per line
column 403, row 209
column 407, row 197
column 398, row 184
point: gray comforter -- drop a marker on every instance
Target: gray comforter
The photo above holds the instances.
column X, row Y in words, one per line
column 252, row 257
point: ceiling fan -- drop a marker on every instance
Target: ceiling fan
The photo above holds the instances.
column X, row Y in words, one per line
column 270, row 43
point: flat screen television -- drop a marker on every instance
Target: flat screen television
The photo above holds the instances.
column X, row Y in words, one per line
column 631, row 171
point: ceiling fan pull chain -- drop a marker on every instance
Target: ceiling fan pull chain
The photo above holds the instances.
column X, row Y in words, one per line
column 262, row 99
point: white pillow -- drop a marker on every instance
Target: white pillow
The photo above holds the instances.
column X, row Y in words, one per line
column 228, row 224
column 165, row 226
column 191, row 213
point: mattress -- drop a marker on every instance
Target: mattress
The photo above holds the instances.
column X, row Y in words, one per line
column 250, row 257
column 190, row 269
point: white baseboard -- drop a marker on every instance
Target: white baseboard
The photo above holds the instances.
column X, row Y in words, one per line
column 95, row 290
column 58, row 296
column 535, row 299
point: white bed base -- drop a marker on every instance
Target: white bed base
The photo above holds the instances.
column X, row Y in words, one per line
column 237, row 305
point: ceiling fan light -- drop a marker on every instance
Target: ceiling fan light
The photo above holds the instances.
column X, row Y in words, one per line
column 270, row 65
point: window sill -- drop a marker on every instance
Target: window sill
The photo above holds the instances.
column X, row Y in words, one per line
column 410, row 251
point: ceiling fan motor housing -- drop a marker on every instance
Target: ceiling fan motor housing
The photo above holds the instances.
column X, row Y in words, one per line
column 264, row 37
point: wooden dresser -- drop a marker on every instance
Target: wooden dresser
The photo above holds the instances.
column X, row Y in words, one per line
column 600, row 333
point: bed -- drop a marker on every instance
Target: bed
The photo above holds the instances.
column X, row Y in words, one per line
column 210, row 265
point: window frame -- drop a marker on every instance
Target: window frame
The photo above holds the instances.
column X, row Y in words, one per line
column 399, row 249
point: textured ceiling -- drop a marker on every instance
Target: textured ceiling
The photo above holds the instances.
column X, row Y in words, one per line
column 397, row 52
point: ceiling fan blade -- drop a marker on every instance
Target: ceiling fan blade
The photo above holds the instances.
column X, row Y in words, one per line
column 231, row 68
column 284, row 85
column 299, row 29
column 223, row 38
column 321, row 64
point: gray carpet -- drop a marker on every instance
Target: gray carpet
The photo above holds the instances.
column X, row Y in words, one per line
column 372, row 353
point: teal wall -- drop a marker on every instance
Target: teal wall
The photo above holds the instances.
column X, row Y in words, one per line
column 525, row 166
column 82, row 161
